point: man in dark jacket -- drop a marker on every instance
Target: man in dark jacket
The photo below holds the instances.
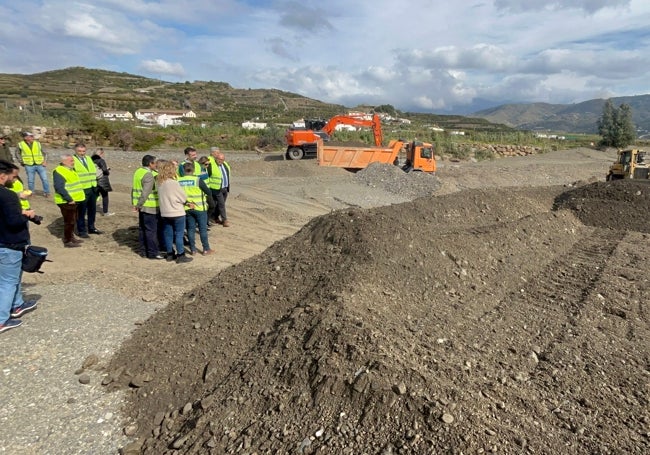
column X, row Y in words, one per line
column 14, row 238
column 5, row 152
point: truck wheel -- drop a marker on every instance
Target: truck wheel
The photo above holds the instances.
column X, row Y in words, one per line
column 608, row 178
column 295, row 153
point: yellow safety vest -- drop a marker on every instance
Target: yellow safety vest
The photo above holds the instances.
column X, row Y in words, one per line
column 197, row 167
column 33, row 155
column 19, row 188
column 190, row 184
column 87, row 175
column 214, row 181
column 136, row 191
column 72, row 185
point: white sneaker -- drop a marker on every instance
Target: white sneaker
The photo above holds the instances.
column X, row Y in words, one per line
column 108, row 214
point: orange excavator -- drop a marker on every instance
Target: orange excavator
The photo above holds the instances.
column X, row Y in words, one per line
column 302, row 142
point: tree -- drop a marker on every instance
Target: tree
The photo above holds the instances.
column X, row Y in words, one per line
column 616, row 126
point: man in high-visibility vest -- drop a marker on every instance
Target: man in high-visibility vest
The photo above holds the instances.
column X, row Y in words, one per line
column 190, row 157
column 219, row 183
column 33, row 158
column 198, row 193
column 144, row 198
column 87, row 172
column 68, row 193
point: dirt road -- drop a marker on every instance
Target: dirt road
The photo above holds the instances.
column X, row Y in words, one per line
column 460, row 321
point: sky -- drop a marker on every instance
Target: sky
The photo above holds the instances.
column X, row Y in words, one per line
column 419, row 56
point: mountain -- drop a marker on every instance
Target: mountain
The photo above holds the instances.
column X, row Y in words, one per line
column 576, row 118
column 70, row 92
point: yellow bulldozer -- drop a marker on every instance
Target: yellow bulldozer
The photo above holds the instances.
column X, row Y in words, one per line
column 630, row 164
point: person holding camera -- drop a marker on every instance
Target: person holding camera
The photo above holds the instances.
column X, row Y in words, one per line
column 14, row 238
column 67, row 194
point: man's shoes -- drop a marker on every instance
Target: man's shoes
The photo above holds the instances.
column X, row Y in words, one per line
column 193, row 252
column 84, row 235
column 210, row 223
column 46, row 194
column 26, row 307
column 71, row 244
column 182, row 258
column 77, row 241
column 218, row 221
column 108, row 213
column 208, row 252
column 226, row 223
column 170, row 257
column 95, row 231
column 157, row 257
column 10, row 324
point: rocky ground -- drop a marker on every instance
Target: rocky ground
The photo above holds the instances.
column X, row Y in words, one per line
column 497, row 307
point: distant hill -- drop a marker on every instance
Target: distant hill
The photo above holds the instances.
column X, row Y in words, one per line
column 576, row 118
column 69, row 92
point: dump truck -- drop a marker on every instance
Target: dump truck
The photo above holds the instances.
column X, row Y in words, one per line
column 419, row 156
column 302, row 142
column 630, row 164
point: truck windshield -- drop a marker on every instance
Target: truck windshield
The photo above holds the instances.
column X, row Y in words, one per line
column 426, row 152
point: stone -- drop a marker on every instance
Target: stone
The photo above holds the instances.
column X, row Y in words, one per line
column 84, row 379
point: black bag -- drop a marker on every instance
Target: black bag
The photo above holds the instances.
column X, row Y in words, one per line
column 33, row 258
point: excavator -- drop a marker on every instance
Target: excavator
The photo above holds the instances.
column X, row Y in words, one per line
column 302, row 142
column 630, row 164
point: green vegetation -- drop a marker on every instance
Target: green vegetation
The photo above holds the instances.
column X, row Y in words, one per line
column 615, row 125
column 71, row 98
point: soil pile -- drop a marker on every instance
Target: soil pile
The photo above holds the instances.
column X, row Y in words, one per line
column 394, row 180
column 479, row 321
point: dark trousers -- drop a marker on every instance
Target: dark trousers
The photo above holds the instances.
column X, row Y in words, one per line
column 148, row 234
column 104, row 194
column 220, row 197
column 89, row 208
column 69, row 212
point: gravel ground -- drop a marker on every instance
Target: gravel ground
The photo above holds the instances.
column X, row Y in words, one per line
column 38, row 365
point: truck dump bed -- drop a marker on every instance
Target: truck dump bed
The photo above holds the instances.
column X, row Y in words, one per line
column 356, row 157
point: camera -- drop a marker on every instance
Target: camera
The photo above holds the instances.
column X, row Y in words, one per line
column 36, row 219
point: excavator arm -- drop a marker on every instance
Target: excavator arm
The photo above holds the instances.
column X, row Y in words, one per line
column 374, row 123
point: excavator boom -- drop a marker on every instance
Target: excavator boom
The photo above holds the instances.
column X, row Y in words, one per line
column 301, row 142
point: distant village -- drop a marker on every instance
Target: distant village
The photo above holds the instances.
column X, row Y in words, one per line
column 165, row 118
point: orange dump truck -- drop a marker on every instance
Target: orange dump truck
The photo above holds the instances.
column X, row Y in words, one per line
column 419, row 156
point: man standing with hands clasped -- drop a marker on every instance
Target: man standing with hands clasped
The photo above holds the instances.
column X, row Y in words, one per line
column 87, row 172
column 219, row 184
column 32, row 157
column 67, row 195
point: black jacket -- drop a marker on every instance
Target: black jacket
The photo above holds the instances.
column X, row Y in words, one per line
column 14, row 229
column 103, row 172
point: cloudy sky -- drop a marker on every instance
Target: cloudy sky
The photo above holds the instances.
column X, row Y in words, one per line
column 418, row 55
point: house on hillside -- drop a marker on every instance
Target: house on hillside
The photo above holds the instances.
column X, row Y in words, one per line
column 124, row 116
column 253, row 125
column 163, row 117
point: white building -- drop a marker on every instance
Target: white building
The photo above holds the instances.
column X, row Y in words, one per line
column 123, row 116
column 253, row 125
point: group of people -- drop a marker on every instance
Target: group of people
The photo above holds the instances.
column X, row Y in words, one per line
column 174, row 200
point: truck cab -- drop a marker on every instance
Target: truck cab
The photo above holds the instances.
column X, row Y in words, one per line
column 419, row 157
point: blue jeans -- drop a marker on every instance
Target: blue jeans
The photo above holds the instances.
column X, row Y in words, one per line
column 173, row 230
column 11, row 295
column 200, row 218
column 39, row 169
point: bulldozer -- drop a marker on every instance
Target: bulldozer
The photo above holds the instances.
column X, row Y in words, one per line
column 630, row 164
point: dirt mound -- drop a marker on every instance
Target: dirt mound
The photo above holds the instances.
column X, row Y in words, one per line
column 482, row 321
column 621, row 204
column 394, row 180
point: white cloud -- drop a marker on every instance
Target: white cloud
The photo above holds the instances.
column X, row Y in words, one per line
column 426, row 55
column 161, row 67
